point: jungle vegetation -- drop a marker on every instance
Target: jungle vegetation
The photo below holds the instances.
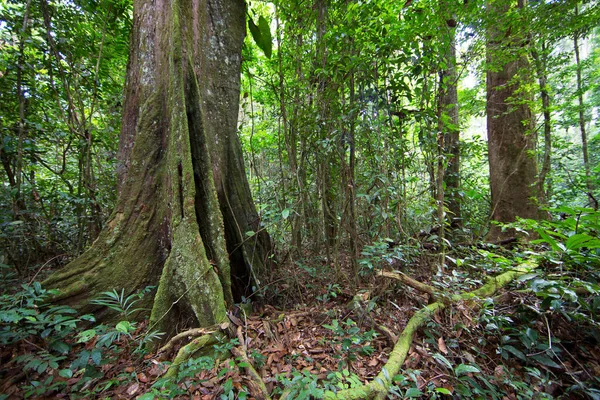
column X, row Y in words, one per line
column 299, row 199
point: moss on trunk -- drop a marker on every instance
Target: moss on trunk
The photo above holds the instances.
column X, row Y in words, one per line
column 184, row 203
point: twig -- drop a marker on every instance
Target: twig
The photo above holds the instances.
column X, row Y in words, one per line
column 42, row 267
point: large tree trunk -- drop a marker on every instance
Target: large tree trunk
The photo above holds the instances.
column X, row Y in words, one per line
column 511, row 134
column 184, row 204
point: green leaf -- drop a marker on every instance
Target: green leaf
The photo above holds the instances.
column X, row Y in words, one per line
column 255, row 31
column 465, row 369
column 86, row 336
column 413, row 392
column 146, row 396
column 124, row 327
column 266, row 38
column 526, row 277
column 285, row 213
column 545, row 361
column 515, row 351
column 96, row 356
column 580, row 240
column 261, row 34
column 65, row 373
column 443, row 360
column 443, row 391
column 60, row 347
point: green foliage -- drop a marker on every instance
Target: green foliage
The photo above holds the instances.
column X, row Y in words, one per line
column 351, row 340
column 261, row 34
column 384, row 253
column 58, row 334
column 118, row 302
column 333, row 289
column 24, row 315
column 301, row 385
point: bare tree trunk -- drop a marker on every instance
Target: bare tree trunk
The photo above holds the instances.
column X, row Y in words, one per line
column 19, row 203
column 449, row 124
column 184, row 208
column 324, row 175
column 581, row 108
column 511, row 135
column 542, row 73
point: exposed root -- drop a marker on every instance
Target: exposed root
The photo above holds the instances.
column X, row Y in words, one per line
column 379, row 387
column 256, row 379
column 189, row 334
column 188, row 351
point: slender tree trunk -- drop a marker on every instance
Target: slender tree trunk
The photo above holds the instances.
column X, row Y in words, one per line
column 542, row 73
column 19, row 203
column 352, row 183
column 291, row 145
column 581, row 109
column 511, row 134
column 449, row 124
column 325, row 151
column 184, row 206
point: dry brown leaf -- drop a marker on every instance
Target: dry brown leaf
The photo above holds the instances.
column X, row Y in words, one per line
column 442, row 345
column 142, row 377
column 373, row 362
column 131, row 390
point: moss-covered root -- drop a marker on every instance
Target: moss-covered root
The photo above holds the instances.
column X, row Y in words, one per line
column 256, row 381
column 260, row 389
column 379, row 387
column 188, row 351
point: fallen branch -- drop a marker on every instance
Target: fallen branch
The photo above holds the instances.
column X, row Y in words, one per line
column 379, row 387
column 408, row 281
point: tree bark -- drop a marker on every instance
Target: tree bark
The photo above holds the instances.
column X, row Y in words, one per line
column 449, row 123
column 184, row 205
column 542, row 74
column 581, row 114
column 511, row 134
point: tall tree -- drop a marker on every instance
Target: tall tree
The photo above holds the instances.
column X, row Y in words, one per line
column 511, row 137
column 184, row 206
column 581, row 114
column 448, row 119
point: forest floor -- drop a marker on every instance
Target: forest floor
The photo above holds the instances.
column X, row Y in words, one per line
column 319, row 335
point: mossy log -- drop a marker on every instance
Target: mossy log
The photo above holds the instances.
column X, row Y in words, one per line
column 378, row 388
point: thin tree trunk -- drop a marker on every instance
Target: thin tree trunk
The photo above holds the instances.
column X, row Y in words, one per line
column 540, row 66
column 324, row 175
column 581, row 108
column 19, row 204
column 290, row 142
column 450, row 124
